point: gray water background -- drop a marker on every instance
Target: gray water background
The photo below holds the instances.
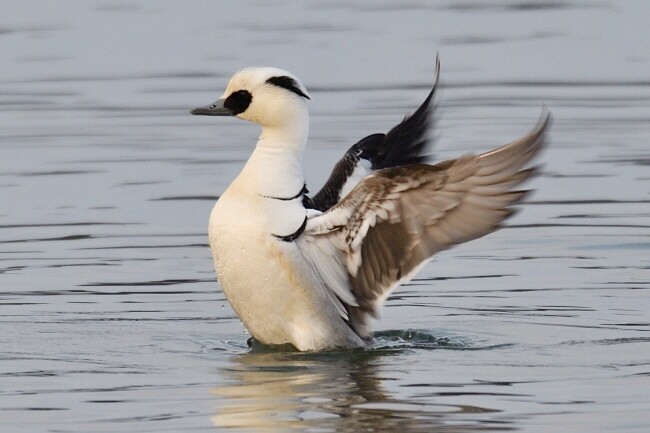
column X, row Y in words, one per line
column 111, row 318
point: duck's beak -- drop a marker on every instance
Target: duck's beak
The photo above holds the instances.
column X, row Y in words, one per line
column 214, row 109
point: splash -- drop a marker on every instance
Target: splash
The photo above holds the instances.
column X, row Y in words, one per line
column 416, row 339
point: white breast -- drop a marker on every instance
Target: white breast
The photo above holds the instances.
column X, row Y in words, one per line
column 273, row 290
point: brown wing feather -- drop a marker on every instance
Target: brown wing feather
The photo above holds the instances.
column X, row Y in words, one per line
column 401, row 216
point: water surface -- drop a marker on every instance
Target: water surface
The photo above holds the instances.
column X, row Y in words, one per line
column 111, row 318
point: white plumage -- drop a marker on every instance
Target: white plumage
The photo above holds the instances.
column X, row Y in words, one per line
column 310, row 272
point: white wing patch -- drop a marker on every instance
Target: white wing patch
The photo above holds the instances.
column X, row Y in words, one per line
column 361, row 170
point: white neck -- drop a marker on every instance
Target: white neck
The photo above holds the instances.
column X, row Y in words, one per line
column 275, row 167
column 292, row 133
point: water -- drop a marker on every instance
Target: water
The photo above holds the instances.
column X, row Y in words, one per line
column 110, row 316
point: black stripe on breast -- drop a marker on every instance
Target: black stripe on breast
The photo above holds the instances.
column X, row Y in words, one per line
column 295, row 235
column 300, row 194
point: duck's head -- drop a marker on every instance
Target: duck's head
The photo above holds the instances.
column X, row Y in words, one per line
column 270, row 97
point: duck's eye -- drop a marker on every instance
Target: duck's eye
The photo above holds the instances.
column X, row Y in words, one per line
column 238, row 101
column 213, row 106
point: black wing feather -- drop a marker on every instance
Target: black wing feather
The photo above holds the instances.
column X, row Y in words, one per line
column 405, row 144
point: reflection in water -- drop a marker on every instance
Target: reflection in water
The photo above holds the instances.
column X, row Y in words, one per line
column 334, row 391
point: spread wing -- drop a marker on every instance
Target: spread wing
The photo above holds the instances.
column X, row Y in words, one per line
column 386, row 228
column 405, row 144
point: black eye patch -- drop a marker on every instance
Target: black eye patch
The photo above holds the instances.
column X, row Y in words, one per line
column 287, row 83
column 238, row 101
